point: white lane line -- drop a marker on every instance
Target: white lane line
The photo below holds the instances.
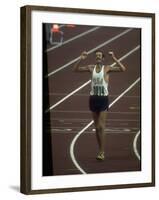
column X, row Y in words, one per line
column 131, row 86
column 86, row 95
column 72, row 148
column 89, row 52
column 135, row 145
column 127, row 54
column 90, row 123
column 66, row 97
column 73, row 38
column 86, row 83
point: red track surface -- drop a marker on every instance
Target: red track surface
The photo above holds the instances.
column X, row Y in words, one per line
column 72, row 115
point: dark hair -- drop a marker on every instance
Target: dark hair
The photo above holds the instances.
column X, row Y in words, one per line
column 100, row 52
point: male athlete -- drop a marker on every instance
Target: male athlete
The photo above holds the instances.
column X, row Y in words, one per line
column 98, row 101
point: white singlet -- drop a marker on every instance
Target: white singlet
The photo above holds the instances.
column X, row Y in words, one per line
column 99, row 86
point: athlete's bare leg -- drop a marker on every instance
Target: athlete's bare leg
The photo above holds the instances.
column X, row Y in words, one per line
column 99, row 122
column 96, row 124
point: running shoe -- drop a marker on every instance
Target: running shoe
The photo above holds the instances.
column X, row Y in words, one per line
column 100, row 156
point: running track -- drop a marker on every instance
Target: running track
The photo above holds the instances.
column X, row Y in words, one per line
column 73, row 141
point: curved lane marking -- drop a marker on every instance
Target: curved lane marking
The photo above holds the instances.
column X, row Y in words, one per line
column 89, row 124
column 135, row 145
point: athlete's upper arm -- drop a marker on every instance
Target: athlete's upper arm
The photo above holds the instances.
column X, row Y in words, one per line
column 91, row 67
column 113, row 69
column 87, row 68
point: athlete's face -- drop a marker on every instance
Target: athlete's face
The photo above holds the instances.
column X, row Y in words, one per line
column 99, row 57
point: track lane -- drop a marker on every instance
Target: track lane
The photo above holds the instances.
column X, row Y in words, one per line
column 72, row 39
column 70, row 135
column 70, row 32
column 70, row 50
column 122, row 133
column 115, row 79
column 119, row 150
column 79, row 79
column 62, row 162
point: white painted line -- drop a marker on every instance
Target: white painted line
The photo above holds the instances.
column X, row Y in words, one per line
column 86, row 83
column 73, row 38
column 126, row 55
column 86, row 94
column 129, row 88
column 135, row 145
column 66, row 97
column 72, row 148
column 89, row 52
column 90, row 123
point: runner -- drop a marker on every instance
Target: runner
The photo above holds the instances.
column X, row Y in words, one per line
column 99, row 95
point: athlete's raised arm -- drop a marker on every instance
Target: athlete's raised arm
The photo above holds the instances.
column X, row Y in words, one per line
column 119, row 67
column 78, row 68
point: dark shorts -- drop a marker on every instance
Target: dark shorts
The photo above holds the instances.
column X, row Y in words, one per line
column 98, row 103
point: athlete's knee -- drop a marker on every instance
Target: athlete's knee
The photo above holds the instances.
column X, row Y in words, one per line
column 99, row 124
column 100, row 127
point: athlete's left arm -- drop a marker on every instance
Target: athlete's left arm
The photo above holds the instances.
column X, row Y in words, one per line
column 119, row 67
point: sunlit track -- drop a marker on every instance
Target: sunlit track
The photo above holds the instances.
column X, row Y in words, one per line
column 89, row 52
column 69, row 115
column 88, row 82
column 66, row 97
column 89, row 124
column 85, row 95
column 83, row 111
column 72, row 39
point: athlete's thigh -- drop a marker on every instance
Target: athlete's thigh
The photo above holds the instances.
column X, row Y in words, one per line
column 95, row 116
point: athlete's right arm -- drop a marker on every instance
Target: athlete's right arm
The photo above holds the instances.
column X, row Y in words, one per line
column 78, row 68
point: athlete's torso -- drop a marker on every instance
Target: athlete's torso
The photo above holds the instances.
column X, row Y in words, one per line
column 99, row 82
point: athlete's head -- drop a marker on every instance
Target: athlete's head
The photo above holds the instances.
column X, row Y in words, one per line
column 99, row 56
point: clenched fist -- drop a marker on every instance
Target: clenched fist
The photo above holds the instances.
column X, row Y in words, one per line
column 111, row 53
column 84, row 55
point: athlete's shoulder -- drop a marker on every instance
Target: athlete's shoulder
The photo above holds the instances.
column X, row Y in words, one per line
column 106, row 68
